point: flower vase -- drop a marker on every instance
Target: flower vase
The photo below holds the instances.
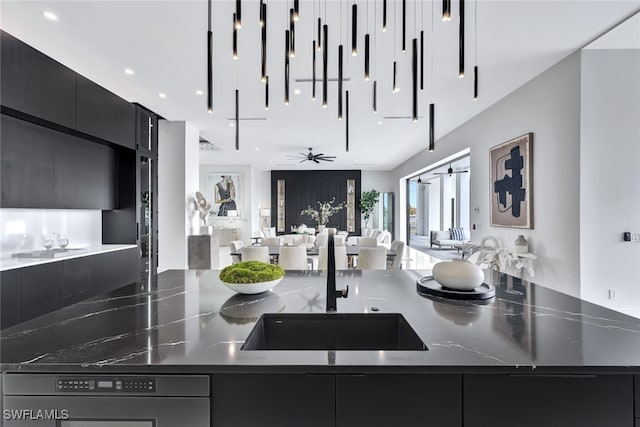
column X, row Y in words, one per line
column 521, row 245
column 320, row 228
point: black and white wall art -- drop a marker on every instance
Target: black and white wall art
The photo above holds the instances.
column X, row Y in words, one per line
column 223, row 192
column 512, row 183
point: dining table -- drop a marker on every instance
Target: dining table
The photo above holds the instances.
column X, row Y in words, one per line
column 352, row 252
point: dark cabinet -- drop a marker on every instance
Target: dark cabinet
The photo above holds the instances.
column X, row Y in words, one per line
column 41, row 290
column 113, row 270
column 76, row 276
column 104, row 115
column 35, row 84
column 45, row 168
column 283, row 400
column 548, row 400
column 407, row 400
column 636, row 381
column 10, row 290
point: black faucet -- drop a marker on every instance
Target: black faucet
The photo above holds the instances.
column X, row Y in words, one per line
column 332, row 293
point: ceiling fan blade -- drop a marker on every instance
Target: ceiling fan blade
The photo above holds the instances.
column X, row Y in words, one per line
column 316, row 161
column 319, row 154
column 303, row 160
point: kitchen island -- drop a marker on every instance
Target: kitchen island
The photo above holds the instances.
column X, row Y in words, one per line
column 532, row 352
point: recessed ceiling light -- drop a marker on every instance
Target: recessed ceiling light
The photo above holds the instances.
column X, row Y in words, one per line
column 199, row 92
column 162, row 95
column 129, row 71
column 257, row 148
column 231, row 124
column 380, row 122
column 296, row 91
column 49, row 15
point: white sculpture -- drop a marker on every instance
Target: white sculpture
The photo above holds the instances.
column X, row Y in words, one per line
column 203, row 207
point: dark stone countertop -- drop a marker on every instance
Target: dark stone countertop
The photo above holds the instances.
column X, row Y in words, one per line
column 188, row 321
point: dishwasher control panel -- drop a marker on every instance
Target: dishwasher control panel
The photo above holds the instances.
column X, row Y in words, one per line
column 107, row 384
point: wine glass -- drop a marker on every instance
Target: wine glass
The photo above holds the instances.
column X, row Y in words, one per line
column 63, row 241
column 47, row 243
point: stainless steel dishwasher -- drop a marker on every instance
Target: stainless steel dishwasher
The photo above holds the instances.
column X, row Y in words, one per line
column 48, row 400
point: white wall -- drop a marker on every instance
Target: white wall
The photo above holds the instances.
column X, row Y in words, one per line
column 548, row 106
column 609, row 182
column 178, row 160
column 376, row 180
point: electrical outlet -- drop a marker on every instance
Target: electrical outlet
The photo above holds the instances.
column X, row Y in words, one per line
column 612, row 294
column 635, row 237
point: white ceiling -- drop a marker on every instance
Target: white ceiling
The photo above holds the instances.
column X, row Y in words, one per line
column 164, row 42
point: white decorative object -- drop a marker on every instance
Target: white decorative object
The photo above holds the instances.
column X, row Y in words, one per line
column 521, row 245
column 253, row 288
column 458, row 274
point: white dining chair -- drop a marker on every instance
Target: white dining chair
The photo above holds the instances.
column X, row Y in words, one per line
column 271, row 241
column 397, row 246
column 341, row 258
column 372, row 258
column 322, row 239
column 367, row 242
column 293, row 258
column 235, row 246
column 255, row 253
column 339, row 240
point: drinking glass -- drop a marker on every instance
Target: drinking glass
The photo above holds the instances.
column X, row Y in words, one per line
column 63, row 241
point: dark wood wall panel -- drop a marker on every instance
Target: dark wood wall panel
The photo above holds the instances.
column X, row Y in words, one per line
column 304, row 188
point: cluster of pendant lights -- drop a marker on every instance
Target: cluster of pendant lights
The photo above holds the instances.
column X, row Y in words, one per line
column 322, row 44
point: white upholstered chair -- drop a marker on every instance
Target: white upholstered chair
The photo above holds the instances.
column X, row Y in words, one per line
column 367, row 242
column 269, row 231
column 293, row 258
column 235, row 246
column 272, row 241
column 341, row 258
column 255, row 253
column 372, row 258
column 395, row 263
column 322, row 239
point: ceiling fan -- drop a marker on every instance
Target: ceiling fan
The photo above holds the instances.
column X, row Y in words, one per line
column 313, row 157
column 450, row 171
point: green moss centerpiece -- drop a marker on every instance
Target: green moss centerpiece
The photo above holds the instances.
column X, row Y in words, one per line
column 251, row 277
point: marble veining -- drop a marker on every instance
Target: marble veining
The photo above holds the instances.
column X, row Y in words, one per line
column 189, row 318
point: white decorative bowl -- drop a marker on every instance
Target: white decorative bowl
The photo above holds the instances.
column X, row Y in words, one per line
column 253, row 288
column 458, row 274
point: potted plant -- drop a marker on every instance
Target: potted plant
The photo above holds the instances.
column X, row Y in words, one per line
column 368, row 202
column 325, row 211
column 251, row 277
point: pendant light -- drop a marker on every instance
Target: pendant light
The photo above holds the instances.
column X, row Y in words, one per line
column 366, row 47
column 319, row 33
column 266, row 93
column 384, row 15
column 354, row 29
column 432, row 114
column 296, row 10
column 422, row 45
column 235, row 38
column 446, row 10
column 238, row 15
column 325, row 51
column 475, row 51
column 286, row 66
column 292, row 34
column 263, row 58
column 461, row 42
column 395, row 63
column 375, row 59
column 237, row 120
column 414, row 72
column 404, row 25
column 346, row 125
column 261, row 13
column 375, row 96
column 340, row 82
column 209, row 62
column 432, row 106
column 313, row 72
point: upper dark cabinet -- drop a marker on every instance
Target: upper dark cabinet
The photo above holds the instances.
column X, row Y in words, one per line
column 104, row 115
column 35, row 84
column 146, row 130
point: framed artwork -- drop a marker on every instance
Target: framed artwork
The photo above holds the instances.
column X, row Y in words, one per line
column 223, row 192
column 511, row 185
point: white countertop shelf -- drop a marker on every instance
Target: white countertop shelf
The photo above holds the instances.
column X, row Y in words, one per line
column 14, row 262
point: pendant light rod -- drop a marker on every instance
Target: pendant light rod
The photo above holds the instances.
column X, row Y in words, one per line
column 235, row 38
column 313, row 72
column 237, row 120
column 340, row 51
column 286, row 66
column 475, row 50
column 238, row 15
column 263, row 65
column 209, row 62
column 432, row 115
column 384, row 15
column 266, row 93
column 404, row 25
column 414, row 72
column 325, row 51
column 461, row 42
column 346, row 125
column 366, row 56
column 354, row 29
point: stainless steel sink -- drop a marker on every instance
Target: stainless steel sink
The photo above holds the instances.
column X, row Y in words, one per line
column 49, row 253
column 352, row 331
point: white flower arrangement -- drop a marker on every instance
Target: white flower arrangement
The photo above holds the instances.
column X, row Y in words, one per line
column 325, row 211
